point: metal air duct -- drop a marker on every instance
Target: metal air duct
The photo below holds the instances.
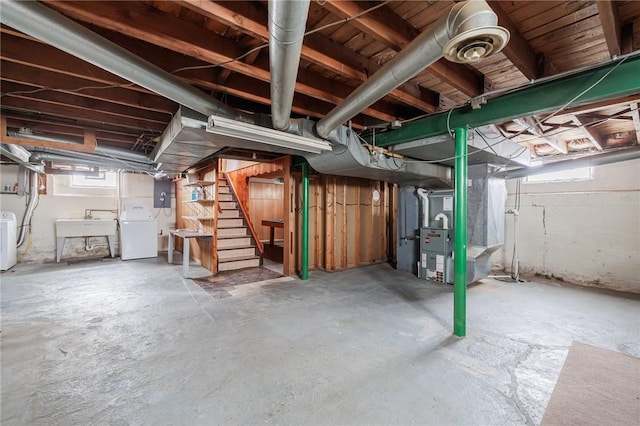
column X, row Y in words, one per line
column 38, row 157
column 592, row 160
column 468, row 34
column 49, row 26
column 287, row 21
column 100, row 151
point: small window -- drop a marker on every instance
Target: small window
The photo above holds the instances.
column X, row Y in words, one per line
column 102, row 180
column 581, row 173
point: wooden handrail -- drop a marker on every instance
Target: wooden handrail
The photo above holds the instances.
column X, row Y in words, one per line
column 246, row 215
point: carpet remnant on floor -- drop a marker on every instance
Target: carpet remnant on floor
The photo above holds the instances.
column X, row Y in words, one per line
column 596, row 387
column 218, row 283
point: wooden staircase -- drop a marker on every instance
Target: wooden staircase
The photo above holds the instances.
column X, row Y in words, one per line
column 234, row 243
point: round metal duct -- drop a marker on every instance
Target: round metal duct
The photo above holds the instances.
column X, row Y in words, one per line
column 475, row 45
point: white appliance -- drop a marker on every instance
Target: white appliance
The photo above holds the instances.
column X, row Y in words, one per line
column 8, row 240
column 138, row 233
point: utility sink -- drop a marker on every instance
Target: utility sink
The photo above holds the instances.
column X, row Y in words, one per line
column 85, row 227
column 68, row 228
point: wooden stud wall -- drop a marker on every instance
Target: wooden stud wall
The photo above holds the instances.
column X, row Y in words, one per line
column 346, row 227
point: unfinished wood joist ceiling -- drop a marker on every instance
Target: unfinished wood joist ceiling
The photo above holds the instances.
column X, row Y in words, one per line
column 221, row 48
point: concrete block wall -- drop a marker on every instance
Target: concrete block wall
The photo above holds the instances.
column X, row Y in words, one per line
column 63, row 202
column 585, row 232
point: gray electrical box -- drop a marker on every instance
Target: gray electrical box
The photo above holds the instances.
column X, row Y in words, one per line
column 436, row 255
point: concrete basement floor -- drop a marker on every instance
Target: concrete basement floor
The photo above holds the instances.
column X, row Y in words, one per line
column 112, row 342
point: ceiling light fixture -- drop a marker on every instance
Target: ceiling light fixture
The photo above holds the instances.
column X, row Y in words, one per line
column 237, row 129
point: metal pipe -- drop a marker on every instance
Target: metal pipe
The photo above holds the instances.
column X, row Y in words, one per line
column 460, row 229
column 34, row 195
column 424, row 194
column 287, row 21
column 96, row 161
column 112, row 153
column 304, row 268
column 592, row 160
column 423, row 51
column 51, row 27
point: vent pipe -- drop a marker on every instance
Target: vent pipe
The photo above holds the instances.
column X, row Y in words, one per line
column 34, row 196
column 49, row 26
column 115, row 163
column 287, row 19
column 467, row 34
column 574, row 163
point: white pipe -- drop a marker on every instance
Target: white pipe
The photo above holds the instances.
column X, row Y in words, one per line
column 34, row 196
column 445, row 220
column 424, row 194
column 515, row 269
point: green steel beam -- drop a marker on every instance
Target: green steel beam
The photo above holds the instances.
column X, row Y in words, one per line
column 304, row 269
column 624, row 80
column 460, row 227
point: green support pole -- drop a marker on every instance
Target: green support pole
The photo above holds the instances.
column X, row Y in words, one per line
column 304, row 269
column 460, row 228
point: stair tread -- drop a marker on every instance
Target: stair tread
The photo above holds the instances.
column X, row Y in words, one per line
column 236, row 247
column 230, row 226
column 237, row 258
column 227, row 237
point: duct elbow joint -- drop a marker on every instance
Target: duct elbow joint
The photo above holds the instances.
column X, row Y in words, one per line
column 445, row 220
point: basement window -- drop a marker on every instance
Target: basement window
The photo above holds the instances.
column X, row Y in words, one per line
column 103, row 179
column 581, row 173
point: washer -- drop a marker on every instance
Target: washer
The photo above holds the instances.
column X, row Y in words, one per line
column 138, row 233
column 8, row 240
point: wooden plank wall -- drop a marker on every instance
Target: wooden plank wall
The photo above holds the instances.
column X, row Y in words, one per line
column 266, row 201
column 241, row 177
column 200, row 250
column 347, row 228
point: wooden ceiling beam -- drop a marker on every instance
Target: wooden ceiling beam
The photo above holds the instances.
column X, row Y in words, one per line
column 610, row 20
column 518, row 50
column 88, row 116
column 589, row 131
column 34, row 53
column 529, row 124
column 207, row 77
column 88, row 138
column 45, row 79
column 30, row 119
column 10, row 89
column 64, row 130
column 153, row 26
column 247, row 17
column 384, row 25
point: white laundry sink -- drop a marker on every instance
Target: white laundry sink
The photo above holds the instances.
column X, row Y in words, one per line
column 85, row 227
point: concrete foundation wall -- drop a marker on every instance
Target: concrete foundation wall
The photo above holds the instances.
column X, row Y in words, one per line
column 586, row 232
column 65, row 202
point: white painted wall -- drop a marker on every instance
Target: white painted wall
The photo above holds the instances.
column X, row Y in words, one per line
column 65, row 202
column 586, row 232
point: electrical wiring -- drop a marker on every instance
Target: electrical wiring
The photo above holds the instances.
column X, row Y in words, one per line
column 537, row 123
column 262, row 46
column 575, row 98
column 79, row 89
column 196, row 67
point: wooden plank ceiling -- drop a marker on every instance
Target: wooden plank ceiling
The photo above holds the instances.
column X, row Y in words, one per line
column 221, row 48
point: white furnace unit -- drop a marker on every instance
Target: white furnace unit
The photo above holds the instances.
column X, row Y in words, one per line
column 8, row 240
column 138, row 233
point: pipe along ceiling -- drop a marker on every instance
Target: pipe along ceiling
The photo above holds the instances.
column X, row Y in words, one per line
column 467, row 33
